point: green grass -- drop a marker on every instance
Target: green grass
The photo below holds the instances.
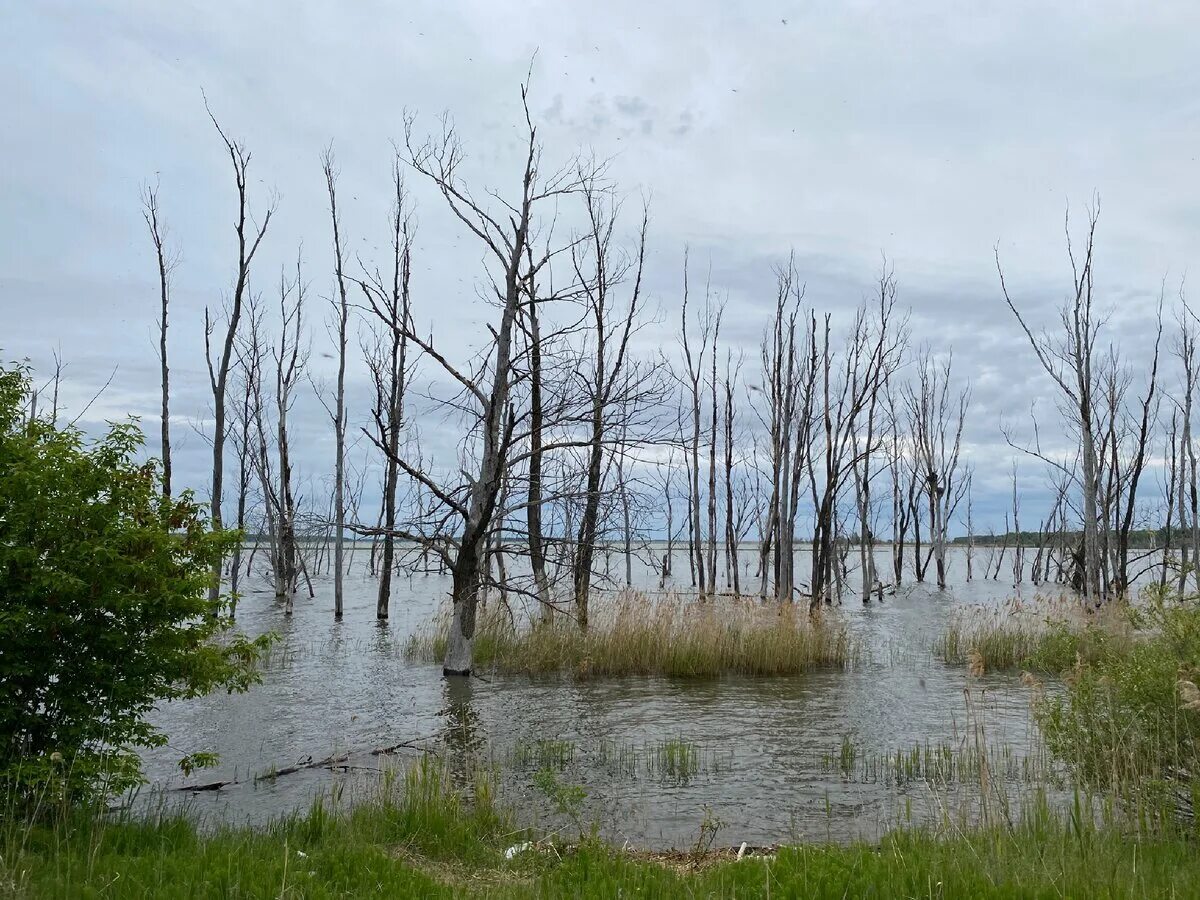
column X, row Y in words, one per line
column 967, row 761
column 542, row 754
column 422, row 838
column 636, row 635
column 1046, row 637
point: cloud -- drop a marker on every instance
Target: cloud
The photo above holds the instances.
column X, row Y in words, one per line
column 854, row 130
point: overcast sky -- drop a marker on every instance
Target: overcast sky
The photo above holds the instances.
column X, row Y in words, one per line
column 844, row 131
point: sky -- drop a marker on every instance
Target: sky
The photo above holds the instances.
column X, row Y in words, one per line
column 932, row 135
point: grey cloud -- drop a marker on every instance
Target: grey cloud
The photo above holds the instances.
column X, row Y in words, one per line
column 855, row 130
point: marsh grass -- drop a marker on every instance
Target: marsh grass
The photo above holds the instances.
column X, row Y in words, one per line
column 677, row 758
column 633, row 634
column 541, row 753
column 970, row 761
column 674, row 759
column 1044, row 636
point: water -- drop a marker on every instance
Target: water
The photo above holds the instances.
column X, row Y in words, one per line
column 762, row 746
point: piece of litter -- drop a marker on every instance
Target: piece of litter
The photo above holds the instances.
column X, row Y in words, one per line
column 517, row 848
column 742, row 850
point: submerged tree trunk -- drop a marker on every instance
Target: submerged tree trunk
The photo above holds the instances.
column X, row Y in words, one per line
column 339, row 411
column 248, row 241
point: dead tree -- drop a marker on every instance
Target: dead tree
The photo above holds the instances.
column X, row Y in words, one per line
column 787, row 392
column 289, row 357
column 970, row 529
column 1069, row 361
column 166, row 263
column 537, row 423
column 390, row 301
column 714, row 408
column 338, row 412
column 1188, row 490
column 693, row 380
column 1172, row 473
column 899, row 462
column 601, row 268
column 243, row 441
column 249, row 238
column 467, row 505
column 732, row 580
column 844, row 390
column 1126, row 438
column 937, row 415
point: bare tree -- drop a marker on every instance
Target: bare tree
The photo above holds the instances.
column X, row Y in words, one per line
column 243, row 446
column 1069, row 361
column 289, row 357
column 732, row 580
column 249, row 238
column 789, row 372
column 1188, row 490
column 846, row 388
column 601, row 268
column 166, row 263
column 694, row 376
column 937, row 417
column 486, row 395
column 342, row 312
column 391, row 303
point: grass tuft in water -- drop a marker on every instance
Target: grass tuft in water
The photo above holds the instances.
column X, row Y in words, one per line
column 633, row 634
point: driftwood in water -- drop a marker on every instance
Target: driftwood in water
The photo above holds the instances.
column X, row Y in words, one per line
column 328, row 762
column 410, row 744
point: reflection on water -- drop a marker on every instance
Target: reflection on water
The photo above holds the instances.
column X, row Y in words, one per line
column 345, row 687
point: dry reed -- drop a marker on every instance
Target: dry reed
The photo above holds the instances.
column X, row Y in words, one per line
column 634, row 634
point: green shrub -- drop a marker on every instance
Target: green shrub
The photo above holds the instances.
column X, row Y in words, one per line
column 1129, row 719
column 104, row 607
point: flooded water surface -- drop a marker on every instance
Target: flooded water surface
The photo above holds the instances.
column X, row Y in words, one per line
column 898, row 737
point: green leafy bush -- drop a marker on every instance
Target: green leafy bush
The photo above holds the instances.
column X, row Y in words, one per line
column 104, row 608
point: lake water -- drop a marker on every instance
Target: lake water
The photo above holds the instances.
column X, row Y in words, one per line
column 764, row 753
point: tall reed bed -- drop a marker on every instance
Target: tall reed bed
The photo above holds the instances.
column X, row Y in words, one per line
column 634, row 634
column 1045, row 635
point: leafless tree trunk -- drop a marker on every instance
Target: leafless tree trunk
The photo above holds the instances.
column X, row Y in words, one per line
column 970, row 531
column 339, row 408
column 289, row 357
column 872, row 353
column 391, row 303
column 249, row 238
column 600, row 269
column 487, row 394
column 533, row 511
column 243, row 445
column 1069, row 363
column 712, row 459
column 694, row 377
column 731, row 536
column 166, row 263
column 937, row 424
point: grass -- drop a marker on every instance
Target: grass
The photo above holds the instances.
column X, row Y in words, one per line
column 969, row 761
column 425, row 837
column 1047, row 637
column 541, row 753
column 633, row 634
column 1124, row 713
